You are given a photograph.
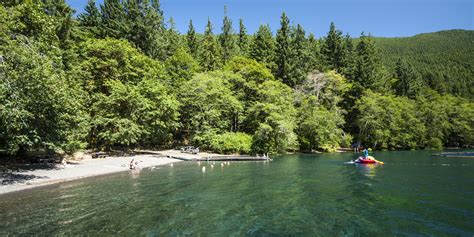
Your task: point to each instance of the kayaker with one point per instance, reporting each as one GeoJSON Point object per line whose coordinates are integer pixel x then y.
{"type": "Point", "coordinates": [366, 153]}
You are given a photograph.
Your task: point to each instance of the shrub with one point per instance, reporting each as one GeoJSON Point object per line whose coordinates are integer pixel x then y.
{"type": "Point", "coordinates": [231, 142]}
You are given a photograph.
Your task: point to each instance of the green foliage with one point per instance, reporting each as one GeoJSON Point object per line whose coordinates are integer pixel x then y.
{"type": "Point", "coordinates": [231, 143]}
{"type": "Point", "coordinates": [409, 82]}
{"type": "Point", "coordinates": [443, 59]}
{"type": "Point", "coordinates": [249, 69]}
{"type": "Point", "coordinates": [367, 71]}
{"type": "Point", "coordinates": [180, 68]}
{"type": "Point", "coordinates": [245, 87]}
{"type": "Point", "coordinates": [91, 18]}
{"type": "Point", "coordinates": [300, 57]}
{"type": "Point", "coordinates": [226, 39]}
{"type": "Point", "coordinates": [128, 102]}
{"type": "Point", "coordinates": [389, 122]}
{"type": "Point", "coordinates": [282, 55]}
{"type": "Point", "coordinates": [316, 60]}
{"type": "Point", "coordinates": [173, 40]}
{"type": "Point", "coordinates": [111, 59]}
{"type": "Point", "coordinates": [192, 40]}
{"type": "Point", "coordinates": [243, 41]}
{"type": "Point", "coordinates": [333, 49]}
{"type": "Point", "coordinates": [209, 107]}
{"type": "Point", "coordinates": [210, 51]}
{"type": "Point", "coordinates": [272, 118]}
{"type": "Point", "coordinates": [119, 77]}
{"type": "Point", "coordinates": [262, 48]}
{"type": "Point", "coordinates": [134, 114]}
{"type": "Point", "coordinates": [39, 107]}
{"type": "Point", "coordinates": [449, 120]}
{"type": "Point", "coordinates": [320, 118]}
{"type": "Point", "coordinates": [328, 88]}
{"type": "Point", "coordinates": [318, 127]}
{"type": "Point", "coordinates": [28, 19]}
{"type": "Point", "coordinates": [348, 59]}
{"type": "Point", "coordinates": [113, 19]}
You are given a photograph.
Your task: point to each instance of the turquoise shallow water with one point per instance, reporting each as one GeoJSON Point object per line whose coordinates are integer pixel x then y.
{"type": "Point", "coordinates": [413, 194]}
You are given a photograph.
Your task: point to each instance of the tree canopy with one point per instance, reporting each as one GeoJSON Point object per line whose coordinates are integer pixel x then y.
{"type": "Point", "coordinates": [118, 76]}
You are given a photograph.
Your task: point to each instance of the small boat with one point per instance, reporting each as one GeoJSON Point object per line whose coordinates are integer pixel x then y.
{"type": "Point", "coordinates": [361, 160]}
{"type": "Point", "coordinates": [369, 160]}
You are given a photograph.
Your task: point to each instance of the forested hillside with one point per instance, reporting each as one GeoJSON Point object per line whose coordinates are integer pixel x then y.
{"type": "Point", "coordinates": [445, 59]}
{"type": "Point", "coordinates": [120, 76]}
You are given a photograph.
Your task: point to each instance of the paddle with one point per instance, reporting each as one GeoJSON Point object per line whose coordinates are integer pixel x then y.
{"type": "Point", "coordinates": [380, 162]}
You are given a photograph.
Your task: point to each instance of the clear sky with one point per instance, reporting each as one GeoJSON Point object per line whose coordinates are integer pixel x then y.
{"type": "Point", "coordinates": [387, 18]}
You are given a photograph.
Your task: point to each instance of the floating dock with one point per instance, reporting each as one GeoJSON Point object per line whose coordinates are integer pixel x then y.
{"type": "Point", "coordinates": [456, 154]}
{"type": "Point", "coordinates": [175, 154]}
{"type": "Point", "coordinates": [221, 158]}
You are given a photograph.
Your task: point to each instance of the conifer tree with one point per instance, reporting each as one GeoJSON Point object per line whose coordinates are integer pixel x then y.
{"type": "Point", "coordinates": [315, 61]}
{"type": "Point", "coordinates": [243, 41]}
{"type": "Point", "coordinates": [113, 19]}
{"type": "Point", "coordinates": [367, 67]}
{"type": "Point", "coordinates": [91, 17]}
{"type": "Point", "coordinates": [56, 8]}
{"type": "Point", "coordinates": [299, 57]}
{"type": "Point", "coordinates": [409, 82]}
{"type": "Point", "coordinates": [283, 51]}
{"type": "Point", "coordinates": [226, 38]}
{"type": "Point", "coordinates": [210, 52]}
{"type": "Point", "coordinates": [173, 40]}
{"type": "Point", "coordinates": [191, 39]}
{"type": "Point", "coordinates": [262, 48]}
{"type": "Point", "coordinates": [348, 57]}
{"type": "Point", "coordinates": [154, 30]}
{"type": "Point", "coordinates": [134, 22]}
{"type": "Point", "coordinates": [333, 48]}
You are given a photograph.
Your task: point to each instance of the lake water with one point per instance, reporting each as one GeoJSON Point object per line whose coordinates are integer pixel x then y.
{"type": "Point", "coordinates": [412, 194]}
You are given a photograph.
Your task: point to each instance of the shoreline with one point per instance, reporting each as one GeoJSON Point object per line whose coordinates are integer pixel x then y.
{"type": "Point", "coordinates": [30, 179]}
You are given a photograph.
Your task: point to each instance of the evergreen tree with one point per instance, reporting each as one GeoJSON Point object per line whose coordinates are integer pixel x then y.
{"type": "Point", "coordinates": [56, 8]}
{"type": "Point", "coordinates": [62, 15]}
{"type": "Point", "coordinates": [333, 48]}
{"type": "Point", "coordinates": [262, 48]}
{"type": "Point", "coordinates": [316, 61]}
{"type": "Point", "coordinates": [134, 22]}
{"type": "Point", "coordinates": [227, 39]}
{"type": "Point", "coordinates": [173, 40]}
{"type": "Point", "coordinates": [409, 82]}
{"type": "Point", "coordinates": [192, 40]}
{"type": "Point", "coordinates": [348, 57]}
{"type": "Point", "coordinates": [299, 57]}
{"type": "Point", "coordinates": [210, 53]}
{"type": "Point", "coordinates": [243, 42]}
{"type": "Point", "coordinates": [90, 19]}
{"type": "Point", "coordinates": [153, 30]}
{"type": "Point", "coordinates": [367, 67]}
{"type": "Point", "coordinates": [283, 51]}
{"type": "Point", "coordinates": [113, 19]}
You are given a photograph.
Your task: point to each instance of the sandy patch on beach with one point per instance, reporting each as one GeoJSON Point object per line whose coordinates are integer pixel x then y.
{"type": "Point", "coordinates": [25, 179]}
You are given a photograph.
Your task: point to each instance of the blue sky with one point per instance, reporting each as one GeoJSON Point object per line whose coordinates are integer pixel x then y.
{"type": "Point", "coordinates": [388, 18]}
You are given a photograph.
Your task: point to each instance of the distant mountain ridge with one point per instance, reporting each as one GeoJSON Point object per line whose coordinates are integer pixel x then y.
{"type": "Point", "coordinates": [445, 59]}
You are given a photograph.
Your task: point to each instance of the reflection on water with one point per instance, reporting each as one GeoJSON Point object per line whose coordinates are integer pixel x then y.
{"type": "Point", "coordinates": [314, 195]}
{"type": "Point", "coordinates": [369, 170]}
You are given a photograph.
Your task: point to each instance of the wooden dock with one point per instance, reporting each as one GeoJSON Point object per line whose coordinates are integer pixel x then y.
{"type": "Point", "coordinates": [175, 154]}
{"type": "Point", "coordinates": [221, 158]}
